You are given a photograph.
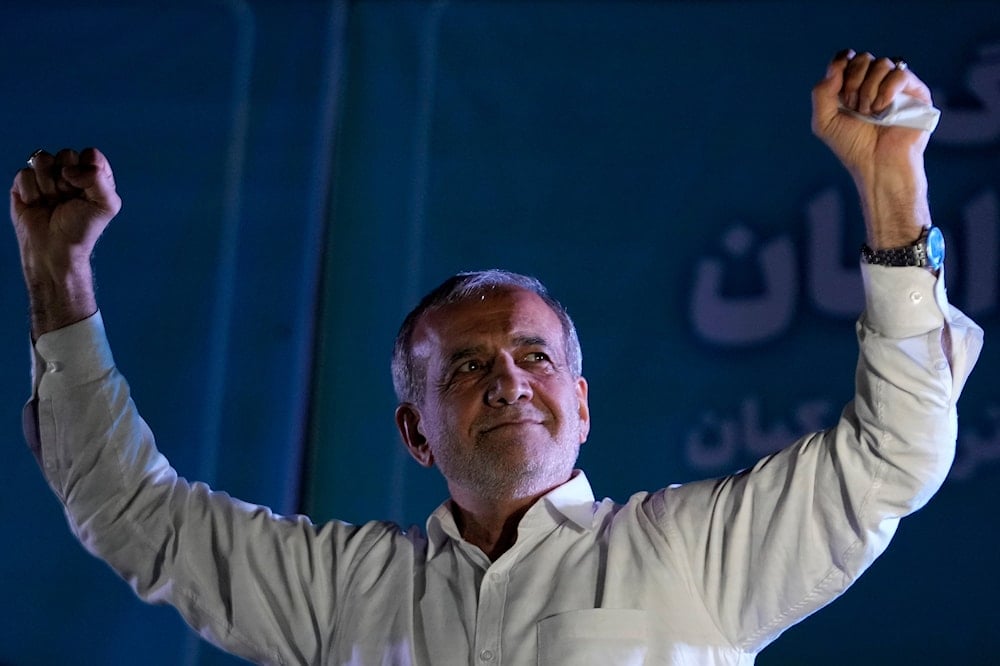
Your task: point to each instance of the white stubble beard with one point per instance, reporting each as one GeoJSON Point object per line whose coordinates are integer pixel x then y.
{"type": "Point", "coordinates": [489, 472]}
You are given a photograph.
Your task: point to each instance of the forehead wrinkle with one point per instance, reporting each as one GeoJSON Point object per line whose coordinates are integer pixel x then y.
{"type": "Point", "coordinates": [502, 324]}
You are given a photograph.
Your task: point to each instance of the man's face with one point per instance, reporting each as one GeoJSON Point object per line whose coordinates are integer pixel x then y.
{"type": "Point", "coordinates": [502, 415]}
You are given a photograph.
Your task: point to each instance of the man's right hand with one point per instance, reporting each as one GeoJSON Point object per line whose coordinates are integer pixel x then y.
{"type": "Point", "coordinates": [59, 206]}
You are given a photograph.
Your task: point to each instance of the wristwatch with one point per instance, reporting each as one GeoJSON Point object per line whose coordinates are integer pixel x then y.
{"type": "Point", "coordinates": [927, 252]}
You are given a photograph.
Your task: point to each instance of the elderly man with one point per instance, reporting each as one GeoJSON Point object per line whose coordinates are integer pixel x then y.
{"type": "Point", "coordinates": [521, 565]}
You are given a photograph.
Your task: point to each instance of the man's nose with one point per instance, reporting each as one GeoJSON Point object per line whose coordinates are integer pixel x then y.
{"type": "Point", "coordinates": [509, 383]}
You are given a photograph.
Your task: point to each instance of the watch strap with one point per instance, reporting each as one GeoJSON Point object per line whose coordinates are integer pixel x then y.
{"type": "Point", "coordinates": [914, 254]}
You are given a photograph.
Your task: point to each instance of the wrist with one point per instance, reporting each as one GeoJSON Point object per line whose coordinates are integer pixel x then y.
{"type": "Point", "coordinates": [59, 298]}
{"type": "Point", "coordinates": [894, 204]}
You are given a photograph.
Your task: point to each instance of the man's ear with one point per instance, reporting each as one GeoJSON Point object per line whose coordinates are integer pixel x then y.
{"type": "Point", "coordinates": [583, 407]}
{"type": "Point", "coordinates": [407, 420]}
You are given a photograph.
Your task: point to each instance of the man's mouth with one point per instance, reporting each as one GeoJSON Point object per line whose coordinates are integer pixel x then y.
{"type": "Point", "coordinates": [510, 423]}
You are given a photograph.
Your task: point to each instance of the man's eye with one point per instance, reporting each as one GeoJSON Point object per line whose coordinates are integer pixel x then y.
{"type": "Point", "coordinates": [536, 357]}
{"type": "Point", "coordinates": [469, 366]}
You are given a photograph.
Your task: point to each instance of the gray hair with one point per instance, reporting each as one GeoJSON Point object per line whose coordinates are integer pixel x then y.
{"type": "Point", "coordinates": [409, 376]}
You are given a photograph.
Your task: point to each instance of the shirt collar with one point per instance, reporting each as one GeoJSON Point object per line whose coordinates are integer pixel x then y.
{"type": "Point", "coordinates": [573, 501]}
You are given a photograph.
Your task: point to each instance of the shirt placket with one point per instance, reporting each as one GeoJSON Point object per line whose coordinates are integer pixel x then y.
{"type": "Point", "coordinates": [489, 615]}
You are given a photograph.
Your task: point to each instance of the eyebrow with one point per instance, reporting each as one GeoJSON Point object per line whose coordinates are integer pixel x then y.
{"type": "Point", "coordinates": [464, 353]}
{"type": "Point", "coordinates": [531, 341]}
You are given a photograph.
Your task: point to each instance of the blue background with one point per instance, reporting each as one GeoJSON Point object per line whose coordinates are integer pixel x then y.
{"type": "Point", "coordinates": [296, 174]}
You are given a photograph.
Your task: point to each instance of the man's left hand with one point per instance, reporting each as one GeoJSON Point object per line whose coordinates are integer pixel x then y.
{"type": "Point", "coordinates": [886, 162]}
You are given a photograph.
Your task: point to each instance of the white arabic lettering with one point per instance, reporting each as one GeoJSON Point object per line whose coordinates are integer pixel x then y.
{"type": "Point", "coordinates": [715, 443]}
{"type": "Point", "coordinates": [834, 288]}
{"type": "Point", "coordinates": [746, 319]}
{"type": "Point", "coordinates": [718, 443]}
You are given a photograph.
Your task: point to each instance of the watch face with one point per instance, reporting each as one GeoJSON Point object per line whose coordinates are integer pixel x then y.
{"type": "Point", "coordinates": [935, 248]}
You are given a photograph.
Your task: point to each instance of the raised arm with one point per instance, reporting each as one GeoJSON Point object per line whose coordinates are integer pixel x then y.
{"type": "Point", "coordinates": [262, 586]}
{"type": "Point", "coordinates": [59, 205]}
{"type": "Point", "coordinates": [770, 545]}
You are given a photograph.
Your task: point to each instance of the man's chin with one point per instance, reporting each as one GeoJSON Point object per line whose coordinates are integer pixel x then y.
{"type": "Point", "coordinates": [503, 479]}
{"type": "Point", "coordinates": [535, 477]}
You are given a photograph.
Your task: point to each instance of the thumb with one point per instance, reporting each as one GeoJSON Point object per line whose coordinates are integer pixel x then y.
{"type": "Point", "coordinates": [826, 93]}
{"type": "Point", "coordinates": [23, 193]}
{"type": "Point", "coordinates": [17, 205]}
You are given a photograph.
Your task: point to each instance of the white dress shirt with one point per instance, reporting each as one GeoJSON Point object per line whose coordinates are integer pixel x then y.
{"type": "Point", "coordinates": [703, 573]}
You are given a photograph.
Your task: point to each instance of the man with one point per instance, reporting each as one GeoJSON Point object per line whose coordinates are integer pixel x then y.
{"type": "Point", "coordinates": [521, 566]}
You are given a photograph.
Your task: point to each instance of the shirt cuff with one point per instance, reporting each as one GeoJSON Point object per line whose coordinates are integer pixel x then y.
{"type": "Point", "coordinates": [71, 356]}
{"type": "Point", "coordinates": [902, 302]}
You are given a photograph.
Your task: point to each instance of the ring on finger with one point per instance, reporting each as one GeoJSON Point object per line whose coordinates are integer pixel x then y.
{"type": "Point", "coordinates": [900, 64]}
{"type": "Point", "coordinates": [31, 158]}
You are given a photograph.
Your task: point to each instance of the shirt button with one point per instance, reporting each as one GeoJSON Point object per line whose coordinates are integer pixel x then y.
{"type": "Point", "coordinates": [916, 296]}
{"type": "Point", "coordinates": [494, 577]}
{"type": "Point", "coordinates": [53, 366]}
{"type": "Point", "coordinates": [486, 655]}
